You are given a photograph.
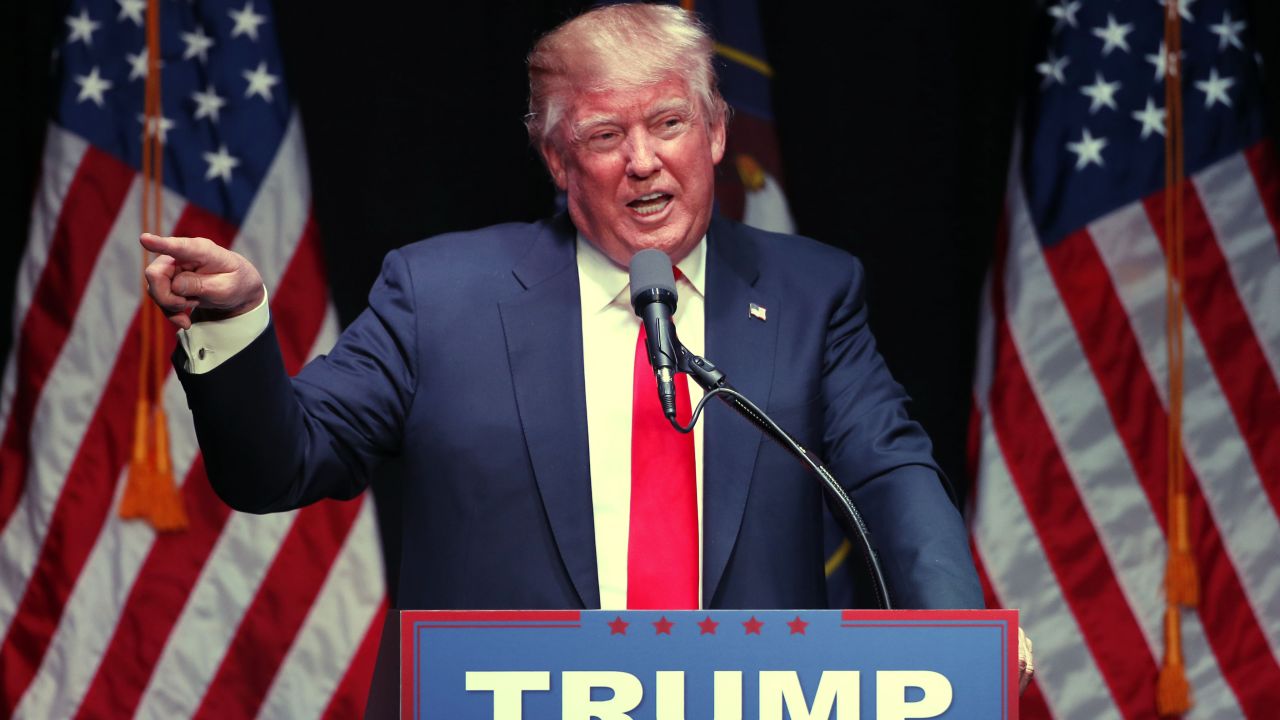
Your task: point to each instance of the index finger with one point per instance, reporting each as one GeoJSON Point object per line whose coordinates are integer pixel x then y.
{"type": "Point", "coordinates": [182, 249]}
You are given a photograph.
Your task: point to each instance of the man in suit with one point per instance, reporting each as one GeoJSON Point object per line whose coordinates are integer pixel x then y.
{"type": "Point", "coordinates": [492, 375]}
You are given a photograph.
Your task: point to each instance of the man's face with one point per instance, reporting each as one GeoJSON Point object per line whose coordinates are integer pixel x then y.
{"type": "Point", "coordinates": [639, 168]}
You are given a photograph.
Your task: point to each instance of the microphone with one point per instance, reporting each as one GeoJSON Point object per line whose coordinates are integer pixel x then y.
{"type": "Point", "coordinates": [653, 296]}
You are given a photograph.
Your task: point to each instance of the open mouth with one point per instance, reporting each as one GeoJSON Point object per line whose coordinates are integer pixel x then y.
{"type": "Point", "coordinates": [650, 204]}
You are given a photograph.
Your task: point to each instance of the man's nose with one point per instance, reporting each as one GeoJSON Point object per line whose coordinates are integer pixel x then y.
{"type": "Point", "coordinates": [642, 157]}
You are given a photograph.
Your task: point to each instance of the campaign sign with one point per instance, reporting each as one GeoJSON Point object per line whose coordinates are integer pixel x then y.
{"type": "Point", "coordinates": [709, 665]}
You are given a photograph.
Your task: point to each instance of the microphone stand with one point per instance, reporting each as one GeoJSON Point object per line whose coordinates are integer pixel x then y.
{"type": "Point", "coordinates": [712, 381]}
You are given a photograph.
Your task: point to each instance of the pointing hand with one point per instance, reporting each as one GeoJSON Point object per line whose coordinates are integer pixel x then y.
{"type": "Point", "coordinates": [199, 275]}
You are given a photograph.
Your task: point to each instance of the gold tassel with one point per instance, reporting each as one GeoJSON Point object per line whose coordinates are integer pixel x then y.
{"type": "Point", "coordinates": [150, 492]}
{"type": "Point", "coordinates": [1173, 694]}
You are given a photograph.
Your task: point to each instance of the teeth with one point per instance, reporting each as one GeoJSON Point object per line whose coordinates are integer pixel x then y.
{"type": "Point", "coordinates": [650, 204]}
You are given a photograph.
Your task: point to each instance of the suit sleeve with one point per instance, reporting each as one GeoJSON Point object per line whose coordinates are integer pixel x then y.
{"type": "Point", "coordinates": [885, 460]}
{"type": "Point", "coordinates": [271, 443]}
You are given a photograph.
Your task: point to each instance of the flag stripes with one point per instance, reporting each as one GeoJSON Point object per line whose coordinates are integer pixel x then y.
{"type": "Point", "coordinates": [104, 618]}
{"type": "Point", "coordinates": [92, 202]}
{"type": "Point", "coordinates": [1071, 409]}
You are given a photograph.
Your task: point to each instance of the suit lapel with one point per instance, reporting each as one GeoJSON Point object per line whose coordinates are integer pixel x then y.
{"type": "Point", "coordinates": [543, 331]}
{"type": "Point", "coordinates": [743, 347]}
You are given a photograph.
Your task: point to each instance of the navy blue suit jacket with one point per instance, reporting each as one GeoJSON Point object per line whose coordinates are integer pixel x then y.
{"type": "Point", "coordinates": [463, 381]}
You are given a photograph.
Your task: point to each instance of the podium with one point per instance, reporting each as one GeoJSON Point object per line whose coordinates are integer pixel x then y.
{"type": "Point", "coordinates": [706, 664]}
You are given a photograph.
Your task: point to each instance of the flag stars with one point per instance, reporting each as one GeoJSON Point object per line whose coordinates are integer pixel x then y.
{"type": "Point", "coordinates": [618, 626]}
{"type": "Point", "coordinates": [1114, 35]}
{"type": "Point", "coordinates": [1088, 150]}
{"type": "Point", "coordinates": [260, 82]}
{"type": "Point", "coordinates": [82, 27]}
{"type": "Point", "coordinates": [662, 626]}
{"type": "Point", "coordinates": [1215, 89]}
{"type": "Point", "coordinates": [221, 164]}
{"type": "Point", "coordinates": [1064, 13]}
{"type": "Point", "coordinates": [138, 64]}
{"type": "Point", "coordinates": [246, 22]}
{"type": "Point", "coordinates": [1160, 59]}
{"type": "Point", "coordinates": [92, 87]}
{"type": "Point", "coordinates": [798, 626]}
{"type": "Point", "coordinates": [159, 124]}
{"type": "Point", "coordinates": [1052, 70]}
{"type": "Point", "coordinates": [198, 45]}
{"type": "Point", "coordinates": [208, 103]}
{"type": "Point", "coordinates": [1151, 117]}
{"type": "Point", "coordinates": [1101, 93]}
{"type": "Point", "coordinates": [708, 626]}
{"type": "Point", "coordinates": [132, 10]}
{"type": "Point", "coordinates": [1228, 32]}
{"type": "Point", "coordinates": [1184, 8]}
{"type": "Point", "coordinates": [752, 626]}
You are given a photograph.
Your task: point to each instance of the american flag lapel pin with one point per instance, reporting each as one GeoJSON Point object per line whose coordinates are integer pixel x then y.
{"type": "Point", "coordinates": [758, 312]}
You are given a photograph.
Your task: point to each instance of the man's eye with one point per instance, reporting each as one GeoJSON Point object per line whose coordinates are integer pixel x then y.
{"type": "Point", "coordinates": [605, 139]}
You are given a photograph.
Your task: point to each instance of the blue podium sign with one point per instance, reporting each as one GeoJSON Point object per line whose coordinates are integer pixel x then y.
{"type": "Point", "coordinates": [709, 665]}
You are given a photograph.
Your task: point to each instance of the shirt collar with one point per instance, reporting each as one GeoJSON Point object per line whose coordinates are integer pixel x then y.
{"type": "Point", "coordinates": [604, 282]}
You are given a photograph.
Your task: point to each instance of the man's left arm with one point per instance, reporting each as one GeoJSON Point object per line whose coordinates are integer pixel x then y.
{"type": "Point", "coordinates": [885, 459]}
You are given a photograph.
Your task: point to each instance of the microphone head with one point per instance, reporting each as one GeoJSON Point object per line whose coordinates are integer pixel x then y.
{"type": "Point", "coordinates": [651, 277]}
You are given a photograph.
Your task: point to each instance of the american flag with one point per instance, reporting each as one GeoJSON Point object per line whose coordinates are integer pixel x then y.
{"type": "Point", "coordinates": [237, 615]}
{"type": "Point", "coordinates": [1073, 384]}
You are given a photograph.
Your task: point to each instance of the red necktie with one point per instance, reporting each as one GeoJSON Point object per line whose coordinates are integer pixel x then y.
{"type": "Point", "coordinates": [662, 550]}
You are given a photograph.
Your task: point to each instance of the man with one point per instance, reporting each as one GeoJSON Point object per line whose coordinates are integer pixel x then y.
{"type": "Point", "coordinates": [495, 374]}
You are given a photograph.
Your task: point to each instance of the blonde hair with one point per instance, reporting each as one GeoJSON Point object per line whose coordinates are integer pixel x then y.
{"type": "Point", "coordinates": [612, 46]}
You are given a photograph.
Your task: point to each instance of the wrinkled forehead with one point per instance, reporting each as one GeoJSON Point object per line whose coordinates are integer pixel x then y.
{"type": "Point", "coordinates": [620, 100]}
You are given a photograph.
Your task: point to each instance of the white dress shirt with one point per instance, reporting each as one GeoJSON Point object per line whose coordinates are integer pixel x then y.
{"type": "Point", "coordinates": [609, 331]}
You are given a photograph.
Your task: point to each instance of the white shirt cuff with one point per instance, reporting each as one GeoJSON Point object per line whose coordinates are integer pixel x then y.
{"type": "Point", "coordinates": [210, 343]}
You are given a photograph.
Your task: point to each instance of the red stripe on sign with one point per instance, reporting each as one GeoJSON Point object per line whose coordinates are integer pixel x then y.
{"type": "Point", "coordinates": [83, 506]}
{"type": "Point", "coordinates": [1262, 164]}
{"type": "Point", "coordinates": [278, 610]}
{"type": "Point", "coordinates": [1141, 420]}
{"type": "Point", "coordinates": [89, 210]}
{"type": "Point", "coordinates": [160, 590]}
{"type": "Point", "coordinates": [349, 698]}
{"type": "Point", "coordinates": [1069, 539]}
{"type": "Point", "coordinates": [1227, 336]}
{"type": "Point", "coordinates": [155, 602]}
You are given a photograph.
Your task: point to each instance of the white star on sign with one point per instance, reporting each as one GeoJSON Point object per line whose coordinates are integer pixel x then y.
{"type": "Point", "coordinates": [1228, 32]}
{"type": "Point", "coordinates": [208, 103]}
{"type": "Point", "coordinates": [198, 45]}
{"type": "Point", "coordinates": [82, 27]}
{"type": "Point", "coordinates": [260, 82]}
{"type": "Point", "coordinates": [92, 87]}
{"type": "Point", "coordinates": [1114, 35]}
{"type": "Point", "coordinates": [220, 165]}
{"type": "Point", "coordinates": [1215, 88]}
{"type": "Point", "coordinates": [1161, 60]}
{"type": "Point", "coordinates": [1052, 69]}
{"type": "Point", "coordinates": [164, 125]}
{"type": "Point", "coordinates": [1184, 8]}
{"type": "Point", "coordinates": [1101, 93]}
{"type": "Point", "coordinates": [1064, 13]}
{"type": "Point", "coordinates": [131, 9]}
{"type": "Point", "coordinates": [1151, 117]}
{"type": "Point", "coordinates": [1088, 150]}
{"type": "Point", "coordinates": [247, 22]}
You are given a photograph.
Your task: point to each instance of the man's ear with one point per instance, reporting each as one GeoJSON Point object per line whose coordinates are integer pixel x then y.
{"type": "Point", "coordinates": [717, 131]}
{"type": "Point", "coordinates": [555, 163]}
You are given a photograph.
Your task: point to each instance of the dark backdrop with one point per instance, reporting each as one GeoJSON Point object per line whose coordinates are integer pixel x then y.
{"type": "Point", "coordinates": [894, 126]}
